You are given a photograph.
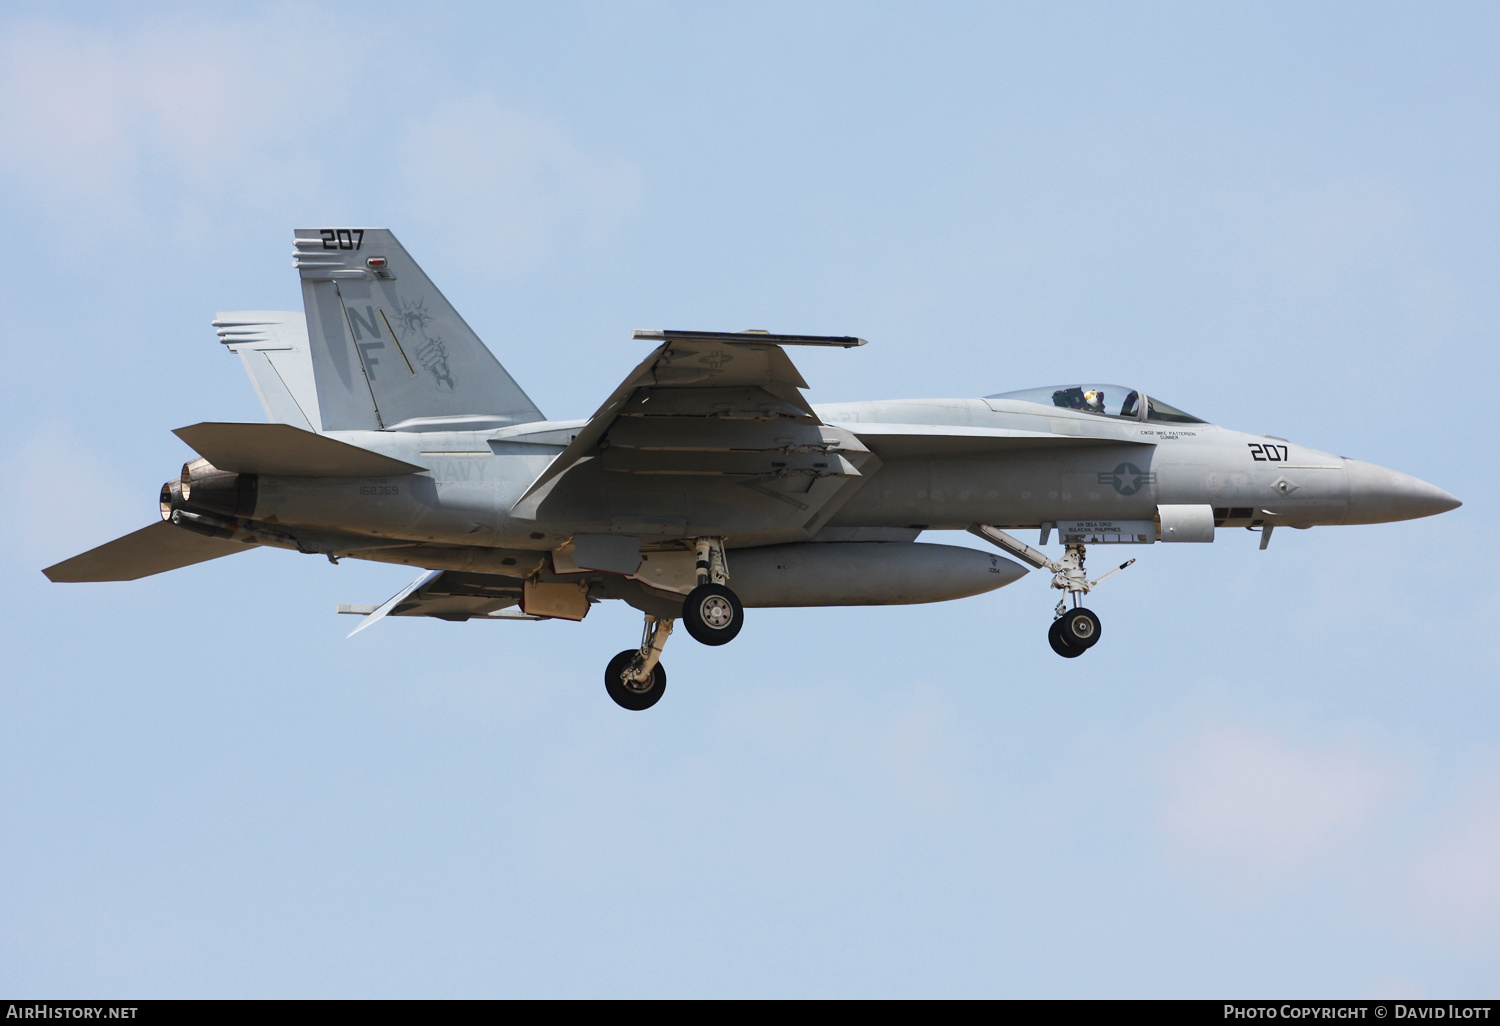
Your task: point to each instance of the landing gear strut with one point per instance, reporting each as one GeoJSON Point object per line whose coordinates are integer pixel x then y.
{"type": "Point", "coordinates": [711, 612]}
{"type": "Point", "coordinates": [635, 678]}
{"type": "Point", "coordinates": [1074, 631]}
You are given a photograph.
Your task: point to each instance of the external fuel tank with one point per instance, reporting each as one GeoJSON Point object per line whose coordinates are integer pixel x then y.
{"type": "Point", "coordinates": [865, 573]}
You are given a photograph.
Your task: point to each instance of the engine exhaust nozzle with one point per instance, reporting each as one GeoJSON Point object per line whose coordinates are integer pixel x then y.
{"type": "Point", "coordinates": [171, 498]}
{"type": "Point", "coordinates": [204, 486]}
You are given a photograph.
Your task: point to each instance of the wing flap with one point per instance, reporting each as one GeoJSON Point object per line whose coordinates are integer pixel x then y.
{"type": "Point", "coordinates": [728, 402]}
{"type": "Point", "coordinates": [281, 449]}
{"type": "Point", "coordinates": [692, 384]}
{"type": "Point", "coordinates": [151, 550]}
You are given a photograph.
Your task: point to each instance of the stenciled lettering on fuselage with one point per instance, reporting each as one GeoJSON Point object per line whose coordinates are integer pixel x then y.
{"type": "Point", "coordinates": [462, 470]}
{"type": "Point", "coordinates": [1127, 478]}
{"type": "Point", "coordinates": [1268, 452]}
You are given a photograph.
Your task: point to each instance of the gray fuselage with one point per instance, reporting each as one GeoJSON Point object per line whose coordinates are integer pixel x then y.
{"type": "Point", "coordinates": [1090, 467]}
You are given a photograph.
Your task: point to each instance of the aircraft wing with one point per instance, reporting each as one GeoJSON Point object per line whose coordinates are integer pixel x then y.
{"type": "Point", "coordinates": [151, 550]}
{"type": "Point", "coordinates": [449, 595]}
{"type": "Point", "coordinates": [711, 410]}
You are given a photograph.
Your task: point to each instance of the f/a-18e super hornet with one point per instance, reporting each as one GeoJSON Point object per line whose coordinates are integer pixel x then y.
{"type": "Point", "coordinates": [705, 484]}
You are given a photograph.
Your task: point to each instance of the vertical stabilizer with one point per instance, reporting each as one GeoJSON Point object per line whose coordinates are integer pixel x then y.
{"type": "Point", "coordinates": [272, 344]}
{"type": "Point", "coordinates": [388, 349]}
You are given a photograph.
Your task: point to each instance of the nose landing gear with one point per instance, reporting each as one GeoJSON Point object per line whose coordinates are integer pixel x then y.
{"type": "Point", "coordinates": [1073, 631]}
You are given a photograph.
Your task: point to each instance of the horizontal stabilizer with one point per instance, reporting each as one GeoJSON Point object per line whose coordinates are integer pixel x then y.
{"type": "Point", "coordinates": [281, 449]}
{"type": "Point", "coordinates": [355, 609]}
{"type": "Point", "coordinates": [449, 595]}
{"type": "Point", "coordinates": [391, 603]}
{"type": "Point", "coordinates": [151, 550]}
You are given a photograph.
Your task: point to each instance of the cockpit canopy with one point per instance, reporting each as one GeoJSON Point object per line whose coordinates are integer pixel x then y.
{"type": "Point", "coordinates": [1105, 400]}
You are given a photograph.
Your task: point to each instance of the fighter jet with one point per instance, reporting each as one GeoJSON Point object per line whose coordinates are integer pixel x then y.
{"type": "Point", "coordinates": [704, 485]}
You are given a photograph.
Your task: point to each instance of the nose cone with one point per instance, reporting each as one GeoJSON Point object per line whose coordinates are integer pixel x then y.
{"type": "Point", "coordinates": [1378, 495]}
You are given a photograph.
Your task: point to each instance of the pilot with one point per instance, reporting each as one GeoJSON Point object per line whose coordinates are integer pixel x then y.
{"type": "Point", "coordinates": [1093, 401]}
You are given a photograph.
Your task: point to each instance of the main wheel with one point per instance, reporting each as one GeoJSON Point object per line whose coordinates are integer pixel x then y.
{"type": "Point", "coordinates": [712, 614]}
{"type": "Point", "coordinates": [1080, 628]}
{"type": "Point", "coordinates": [1059, 643]}
{"type": "Point", "coordinates": [627, 693]}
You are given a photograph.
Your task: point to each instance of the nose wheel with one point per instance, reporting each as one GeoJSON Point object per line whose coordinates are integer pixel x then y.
{"type": "Point", "coordinates": [1073, 631]}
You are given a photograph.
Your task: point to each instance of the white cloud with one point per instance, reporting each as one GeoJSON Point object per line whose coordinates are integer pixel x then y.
{"type": "Point", "coordinates": [920, 757]}
{"type": "Point", "coordinates": [59, 495]}
{"type": "Point", "coordinates": [1257, 808]}
{"type": "Point", "coordinates": [66, 131]}
{"type": "Point", "coordinates": [1317, 237]}
{"type": "Point", "coordinates": [187, 121]}
{"type": "Point", "coordinates": [511, 186]}
{"type": "Point", "coordinates": [177, 123]}
{"type": "Point", "coordinates": [1457, 877]}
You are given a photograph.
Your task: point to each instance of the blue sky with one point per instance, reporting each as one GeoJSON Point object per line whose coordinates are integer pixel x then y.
{"type": "Point", "coordinates": [1276, 775]}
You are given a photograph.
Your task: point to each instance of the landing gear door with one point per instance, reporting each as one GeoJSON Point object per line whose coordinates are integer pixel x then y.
{"type": "Point", "coordinates": [1185, 523]}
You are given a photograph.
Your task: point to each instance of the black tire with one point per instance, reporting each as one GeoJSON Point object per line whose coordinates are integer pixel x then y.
{"type": "Point", "coordinates": [1080, 628]}
{"type": "Point", "coordinates": [627, 697]}
{"type": "Point", "coordinates": [712, 614]}
{"type": "Point", "coordinates": [1059, 643]}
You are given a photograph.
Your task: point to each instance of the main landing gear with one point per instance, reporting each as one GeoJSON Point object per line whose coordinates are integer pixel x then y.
{"type": "Point", "coordinates": [636, 679]}
{"type": "Point", "coordinates": [1074, 631]}
{"type": "Point", "coordinates": [712, 614]}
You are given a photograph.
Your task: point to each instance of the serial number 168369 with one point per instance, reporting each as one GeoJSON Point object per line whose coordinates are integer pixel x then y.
{"type": "Point", "coordinates": [380, 489]}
